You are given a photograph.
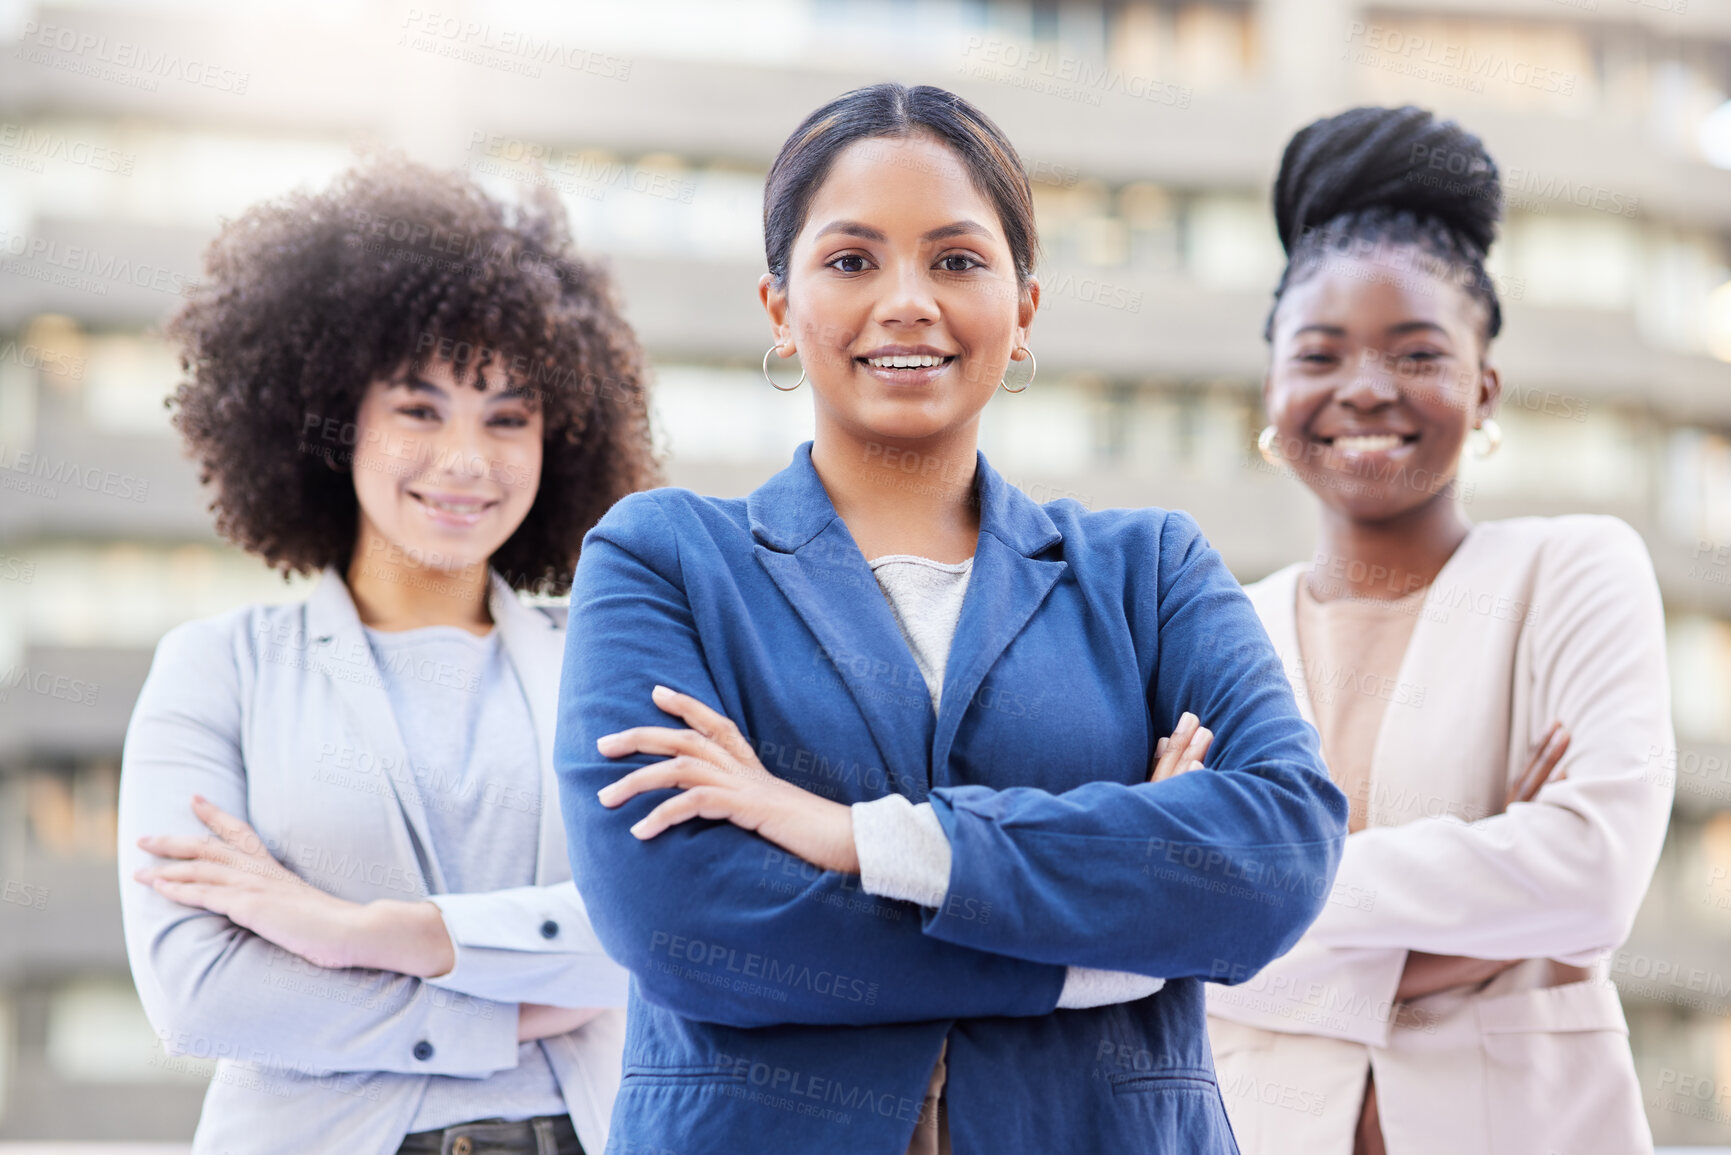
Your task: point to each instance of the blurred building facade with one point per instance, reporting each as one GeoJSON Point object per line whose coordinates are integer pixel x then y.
{"type": "Point", "coordinates": [1151, 129]}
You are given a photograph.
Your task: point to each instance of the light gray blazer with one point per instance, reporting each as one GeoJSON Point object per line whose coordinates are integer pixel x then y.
{"type": "Point", "coordinates": [278, 714]}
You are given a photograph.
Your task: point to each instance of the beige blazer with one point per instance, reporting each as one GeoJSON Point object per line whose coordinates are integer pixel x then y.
{"type": "Point", "coordinates": [1531, 620]}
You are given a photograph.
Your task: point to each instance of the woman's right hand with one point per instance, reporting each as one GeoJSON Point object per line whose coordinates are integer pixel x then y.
{"type": "Point", "coordinates": [1183, 751]}
{"type": "Point", "coordinates": [539, 1021]}
{"type": "Point", "coordinates": [1426, 974]}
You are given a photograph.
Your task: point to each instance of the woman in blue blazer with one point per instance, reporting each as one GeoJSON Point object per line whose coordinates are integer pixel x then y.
{"type": "Point", "coordinates": [930, 898]}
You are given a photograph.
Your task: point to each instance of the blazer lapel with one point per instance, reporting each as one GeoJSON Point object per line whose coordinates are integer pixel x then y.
{"type": "Point", "coordinates": [1007, 585]}
{"type": "Point", "coordinates": [1276, 600]}
{"type": "Point", "coordinates": [812, 558]}
{"type": "Point", "coordinates": [338, 646]}
{"type": "Point", "coordinates": [534, 643]}
{"type": "Point", "coordinates": [1450, 646]}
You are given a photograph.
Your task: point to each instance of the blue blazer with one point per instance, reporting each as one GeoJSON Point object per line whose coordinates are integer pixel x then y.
{"type": "Point", "coordinates": [778, 1008]}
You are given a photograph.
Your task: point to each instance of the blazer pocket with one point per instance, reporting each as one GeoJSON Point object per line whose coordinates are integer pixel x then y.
{"type": "Point", "coordinates": [638, 1075]}
{"type": "Point", "coordinates": [1558, 1073]}
{"type": "Point", "coordinates": [1172, 1079]}
{"type": "Point", "coordinates": [1175, 1110]}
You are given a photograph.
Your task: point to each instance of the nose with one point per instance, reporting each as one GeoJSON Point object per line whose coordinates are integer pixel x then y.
{"type": "Point", "coordinates": [459, 449]}
{"type": "Point", "coordinates": [1373, 385]}
{"type": "Point", "coordinates": [907, 299]}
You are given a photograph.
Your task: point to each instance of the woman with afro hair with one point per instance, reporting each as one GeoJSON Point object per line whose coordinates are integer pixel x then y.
{"type": "Point", "coordinates": [1492, 699]}
{"type": "Point", "coordinates": [342, 867]}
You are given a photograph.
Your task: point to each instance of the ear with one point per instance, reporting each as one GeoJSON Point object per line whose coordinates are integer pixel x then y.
{"type": "Point", "coordinates": [1490, 391]}
{"type": "Point", "coordinates": [1027, 304]}
{"type": "Point", "coordinates": [775, 304]}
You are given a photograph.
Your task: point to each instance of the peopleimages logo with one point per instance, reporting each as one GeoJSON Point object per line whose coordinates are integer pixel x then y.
{"type": "Point", "coordinates": [39, 145]}
{"type": "Point", "coordinates": [88, 53]}
{"type": "Point", "coordinates": [84, 268]}
{"type": "Point", "coordinates": [43, 475]}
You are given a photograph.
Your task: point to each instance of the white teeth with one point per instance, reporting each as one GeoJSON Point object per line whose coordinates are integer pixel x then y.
{"type": "Point", "coordinates": [1368, 443]}
{"type": "Point", "coordinates": [456, 506]}
{"type": "Point", "coordinates": [905, 361]}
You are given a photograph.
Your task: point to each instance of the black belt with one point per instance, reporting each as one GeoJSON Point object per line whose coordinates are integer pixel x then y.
{"type": "Point", "coordinates": [542, 1135]}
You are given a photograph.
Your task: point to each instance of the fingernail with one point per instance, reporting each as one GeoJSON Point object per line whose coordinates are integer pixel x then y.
{"type": "Point", "coordinates": [637, 830]}
{"type": "Point", "coordinates": [661, 690]}
{"type": "Point", "coordinates": [605, 794]}
{"type": "Point", "coordinates": [607, 742]}
{"type": "Point", "coordinates": [1187, 718]}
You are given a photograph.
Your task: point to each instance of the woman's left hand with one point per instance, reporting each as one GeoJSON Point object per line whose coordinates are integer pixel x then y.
{"type": "Point", "coordinates": [720, 777]}
{"type": "Point", "coordinates": [232, 874]}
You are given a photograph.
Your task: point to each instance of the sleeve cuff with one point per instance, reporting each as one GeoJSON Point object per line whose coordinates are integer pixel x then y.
{"type": "Point", "coordinates": [464, 1036]}
{"type": "Point", "coordinates": [530, 944]}
{"type": "Point", "coordinates": [903, 851]}
{"type": "Point", "coordinates": [1085, 987]}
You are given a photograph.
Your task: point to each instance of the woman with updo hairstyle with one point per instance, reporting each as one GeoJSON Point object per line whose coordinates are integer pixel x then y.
{"type": "Point", "coordinates": [861, 772]}
{"type": "Point", "coordinates": [1491, 697]}
{"type": "Point", "coordinates": [341, 866]}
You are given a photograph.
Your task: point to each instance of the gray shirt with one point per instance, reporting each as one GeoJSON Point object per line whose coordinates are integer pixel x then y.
{"type": "Point", "coordinates": [466, 725]}
{"type": "Point", "coordinates": [926, 598]}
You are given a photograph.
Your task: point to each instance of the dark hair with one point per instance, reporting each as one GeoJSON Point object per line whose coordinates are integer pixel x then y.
{"type": "Point", "coordinates": [310, 298]}
{"type": "Point", "coordinates": [1394, 176]}
{"type": "Point", "coordinates": [895, 110]}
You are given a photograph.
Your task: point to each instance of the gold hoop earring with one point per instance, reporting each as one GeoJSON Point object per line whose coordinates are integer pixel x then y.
{"type": "Point", "coordinates": [1493, 439]}
{"type": "Point", "coordinates": [1033, 368]}
{"type": "Point", "coordinates": [771, 380]}
{"type": "Point", "coordinates": [1265, 445]}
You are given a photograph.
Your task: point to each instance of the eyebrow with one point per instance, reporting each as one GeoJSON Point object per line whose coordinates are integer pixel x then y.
{"type": "Point", "coordinates": [960, 228]}
{"type": "Point", "coordinates": [418, 385]}
{"type": "Point", "coordinates": [867, 233]}
{"type": "Point", "coordinates": [422, 385]}
{"type": "Point", "coordinates": [1399, 330]}
{"type": "Point", "coordinates": [1406, 327]}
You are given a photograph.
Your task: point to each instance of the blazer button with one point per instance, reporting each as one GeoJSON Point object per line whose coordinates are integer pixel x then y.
{"type": "Point", "coordinates": [463, 1145]}
{"type": "Point", "coordinates": [549, 929]}
{"type": "Point", "coordinates": [423, 1050]}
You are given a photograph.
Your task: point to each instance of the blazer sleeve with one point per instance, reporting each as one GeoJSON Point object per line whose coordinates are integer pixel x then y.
{"type": "Point", "coordinates": [213, 989]}
{"type": "Point", "coordinates": [529, 944]}
{"type": "Point", "coordinates": [1336, 992]}
{"type": "Point", "coordinates": [1206, 875]}
{"type": "Point", "coordinates": [1562, 876]}
{"type": "Point", "coordinates": [686, 912]}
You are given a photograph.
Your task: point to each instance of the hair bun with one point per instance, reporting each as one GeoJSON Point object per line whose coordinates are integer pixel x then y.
{"type": "Point", "coordinates": [1397, 159]}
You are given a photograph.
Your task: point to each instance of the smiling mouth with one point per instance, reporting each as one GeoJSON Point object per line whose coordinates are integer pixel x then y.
{"type": "Point", "coordinates": [906, 361]}
{"type": "Point", "coordinates": [470, 508]}
{"type": "Point", "coordinates": [1369, 442]}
